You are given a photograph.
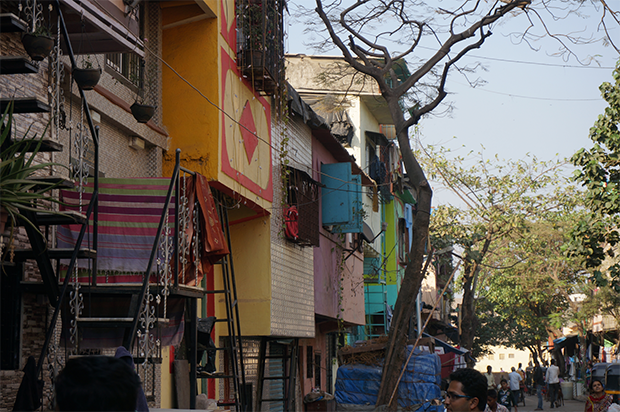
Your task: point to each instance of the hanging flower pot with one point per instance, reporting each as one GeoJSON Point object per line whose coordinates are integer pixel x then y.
{"type": "Point", "coordinates": [86, 79]}
{"type": "Point", "coordinates": [142, 112]}
{"type": "Point", "coordinates": [37, 46]}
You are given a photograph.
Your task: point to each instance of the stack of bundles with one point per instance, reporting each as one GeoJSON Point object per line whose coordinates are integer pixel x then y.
{"type": "Point", "coordinates": [358, 385]}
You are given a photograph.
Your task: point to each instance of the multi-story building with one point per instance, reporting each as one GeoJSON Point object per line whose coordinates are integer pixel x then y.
{"type": "Point", "coordinates": [222, 238]}
{"type": "Point", "coordinates": [357, 114]}
{"type": "Point", "coordinates": [85, 132]}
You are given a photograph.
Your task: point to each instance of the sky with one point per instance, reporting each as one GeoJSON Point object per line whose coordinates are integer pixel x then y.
{"type": "Point", "coordinates": [533, 102]}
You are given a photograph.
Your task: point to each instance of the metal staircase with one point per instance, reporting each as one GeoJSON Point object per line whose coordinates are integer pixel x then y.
{"type": "Point", "coordinates": [76, 302]}
{"type": "Point", "coordinates": [233, 349]}
{"type": "Point", "coordinates": [277, 372]}
{"type": "Point", "coordinates": [137, 308]}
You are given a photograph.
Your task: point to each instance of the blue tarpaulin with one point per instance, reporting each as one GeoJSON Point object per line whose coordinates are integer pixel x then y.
{"type": "Point", "coordinates": [359, 384]}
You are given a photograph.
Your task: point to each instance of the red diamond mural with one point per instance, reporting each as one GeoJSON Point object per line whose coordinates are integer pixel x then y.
{"type": "Point", "coordinates": [248, 133]}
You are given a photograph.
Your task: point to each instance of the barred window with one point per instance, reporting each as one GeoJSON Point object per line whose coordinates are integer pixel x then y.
{"type": "Point", "coordinates": [303, 195]}
{"type": "Point", "coordinates": [128, 65]}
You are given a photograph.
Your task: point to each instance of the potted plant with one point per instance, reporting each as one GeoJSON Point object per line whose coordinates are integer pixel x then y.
{"type": "Point", "coordinates": [141, 110]}
{"type": "Point", "coordinates": [19, 188]}
{"type": "Point", "coordinates": [86, 76]}
{"type": "Point", "coordinates": [38, 43]}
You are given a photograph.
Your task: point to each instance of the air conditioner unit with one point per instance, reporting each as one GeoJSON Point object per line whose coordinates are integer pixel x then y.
{"type": "Point", "coordinates": [136, 142]}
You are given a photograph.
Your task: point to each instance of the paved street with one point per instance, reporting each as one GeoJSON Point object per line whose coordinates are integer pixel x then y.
{"type": "Point", "coordinates": [569, 406]}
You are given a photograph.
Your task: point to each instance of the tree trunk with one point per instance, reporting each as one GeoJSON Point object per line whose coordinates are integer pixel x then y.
{"type": "Point", "coordinates": [405, 303]}
{"type": "Point", "coordinates": [469, 320]}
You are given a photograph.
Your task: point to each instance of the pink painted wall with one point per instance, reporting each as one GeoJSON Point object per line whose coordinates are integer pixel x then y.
{"type": "Point", "coordinates": [327, 280]}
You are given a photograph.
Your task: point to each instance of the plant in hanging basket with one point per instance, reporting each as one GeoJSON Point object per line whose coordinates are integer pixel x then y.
{"type": "Point", "coordinates": [147, 85]}
{"type": "Point", "coordinates": [38, 44]}
{"type": "Point", "coordinates": [86, 78]}
{"type": "Point", "coordinates": [142, 112]}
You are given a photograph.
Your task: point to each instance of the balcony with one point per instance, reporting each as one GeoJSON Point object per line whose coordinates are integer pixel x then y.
{"type": "Point", "coordinates": [260, 45]}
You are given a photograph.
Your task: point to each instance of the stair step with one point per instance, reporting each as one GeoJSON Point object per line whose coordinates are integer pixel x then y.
{"type": "Point", "coordinates": [47, 145]}
{"type": "Point", "coordinates": [275, 378]}
{"type": "Point", "coordinates": [55, 253]}
{"type": "Point", "coordinates": [112, 322]}
{"type": "Point", "coordinates": [10, 23]}
{"type": "Point", "coordinates": [25, 105]}
{"type": "Point", "coordinates": [206, 375]}
{"type": "Point", "coordinates": [68, 217]}
{"type": "Point", "coordinates": [59, 182]}
{"type": "Point", "coordinates": [17, 65]}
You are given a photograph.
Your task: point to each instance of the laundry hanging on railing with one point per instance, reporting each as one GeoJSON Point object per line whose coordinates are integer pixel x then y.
{"type": "Point", "coordinates": [129, 214]}
{"type": "Point", "coordinates": [212, 246]}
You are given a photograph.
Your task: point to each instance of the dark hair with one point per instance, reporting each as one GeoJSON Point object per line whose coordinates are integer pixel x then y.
{"type": "Point", "coordinates": [503, 380]}
{"type": "Point", "coordinates": [474, 384]}
{"type": "Point", "coordinates": [492, 393]}
{"type": "Point", "coordinates": [97, 383]}
{"type": "Point", "coordinates": [553, 361]}
{"type": "Point", "coordinates": [596, 380]}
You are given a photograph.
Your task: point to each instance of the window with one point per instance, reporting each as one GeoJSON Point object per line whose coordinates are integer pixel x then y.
{"type": "Point", "coordinates": [403, 241]}
{"type": "Point", "coordinates": [491, 357]}
{"type": "Point", "coordinates": [317, 369]}
{"type": "Point", "coordinates": [309, 362]}
{"type": "Point", "coordinates": [511, 356]}
{"type": "Point", "coordinates": [302, 213]}
{"type": "Point", "coordinates": [501, 356]}
{"type": "Point", "coordinates": [127, 66]}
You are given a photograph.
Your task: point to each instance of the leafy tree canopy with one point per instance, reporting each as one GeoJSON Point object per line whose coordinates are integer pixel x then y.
{"type": "Point", "coordinates": [596, 234]}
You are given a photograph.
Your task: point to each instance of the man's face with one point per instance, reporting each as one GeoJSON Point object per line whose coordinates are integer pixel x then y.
{"type": "Point", "coordinates": [457, 401]}
{"type": "Point", "coordinates": [491, 402]}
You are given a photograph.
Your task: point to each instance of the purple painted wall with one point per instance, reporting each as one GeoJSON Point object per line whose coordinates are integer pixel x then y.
{"type": "Point", "coordinates": [329, 274]}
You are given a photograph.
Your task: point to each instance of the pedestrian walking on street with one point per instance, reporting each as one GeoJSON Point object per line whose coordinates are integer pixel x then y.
{"type": "Point", "coordinates": [490, 378]}
{"type": "Point", "coordinates": [598, 401]}
{"type": "Point", "coordinates": [467, 391]}
{"type": "Point", "coordinates": [492, 405]}
{"type": "Point", "coordinates": [553, 381]}
{"type": "Point", "coordinates": [504, 395]}
{"type": "Point", "coordinates": [539, 383]}
{"type": "Point", "coordinates": [515, 385]}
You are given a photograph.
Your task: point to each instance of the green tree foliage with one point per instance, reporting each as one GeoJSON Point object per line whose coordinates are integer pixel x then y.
{"type": "Point", "coordinates": [495, 228]}
{"type": "Point", "coordinates": [596, 235]}
{"type": "Point", "coordinates": [527, 288]}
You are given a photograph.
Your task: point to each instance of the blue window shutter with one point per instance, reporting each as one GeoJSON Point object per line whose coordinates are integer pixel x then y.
{"type": "Point", "coordinates": [336, 203]}
{"type": "Point", "coordinates": [355, 194]}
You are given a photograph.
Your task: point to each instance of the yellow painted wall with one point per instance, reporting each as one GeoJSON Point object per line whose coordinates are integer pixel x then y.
{"type": "Point", "coordinates": [252, 260]}
{"type": "Point", "coordinates": [192, 122]}
{"type": "Point", "coordinates": [166, 380]}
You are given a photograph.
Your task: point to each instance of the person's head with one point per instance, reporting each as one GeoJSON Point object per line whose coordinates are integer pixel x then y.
{"type": "Point", "coordinates": [504, 384]}
{"type": "Point", "coordinates": [553, 361]}
{"type": "Point", "coordinates": [97, 383]}
{"type": "Point", "coordinates": [467, 391]}
{"type": "Point", "coordinates": [512, 369]}
{"type": "Point", "coordinates": [536, 364]}
{"type": "Point", "coordinates": [520, 365]}
{"type": "Point", "coordinates": [492, 398]}
{"type": "Point", "coordinates": [596, 386]}
{"type": "Point", "coordinates": [489, 369]}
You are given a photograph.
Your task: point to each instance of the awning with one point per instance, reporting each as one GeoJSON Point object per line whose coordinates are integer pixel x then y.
{"type": "Point", "coordinates": [559, 343]}
{"type": "Point", "coordinates": [446, 346]}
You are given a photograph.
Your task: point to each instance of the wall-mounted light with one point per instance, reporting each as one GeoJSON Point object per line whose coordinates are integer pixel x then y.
{"type": "Point", "coordinates": [136, 142]}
